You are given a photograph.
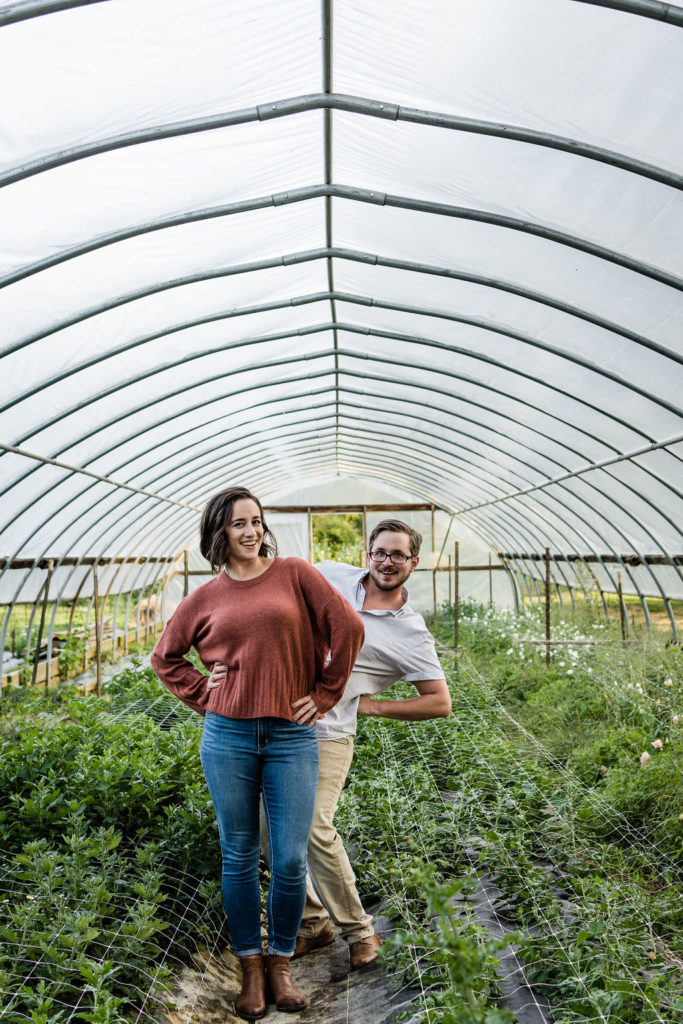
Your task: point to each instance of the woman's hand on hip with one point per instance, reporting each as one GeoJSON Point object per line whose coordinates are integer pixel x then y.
{"type": "Point", "coordinates": [305, 711]}
{"type": "Point", "coordinates": [218, 675]}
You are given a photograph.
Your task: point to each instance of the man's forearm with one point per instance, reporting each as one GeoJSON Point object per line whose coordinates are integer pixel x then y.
{"type": "Point", "coordinates": [413, 709]}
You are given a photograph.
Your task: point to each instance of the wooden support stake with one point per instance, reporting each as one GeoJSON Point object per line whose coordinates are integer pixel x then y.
{"type": "Point", "coordinates": [450, 582]}
{"type": "Point", "coordinates": [137, 615]}
{"type": "Point", "coordinates": [547, 606]}
{"type": "Point", "coordinates": [98, 636]}
{"type": "Point", "coordinates": [433, 527]}
{"type": "Point", "coordinates": [186, 573]}
{"type": "Point", "coordinates": [36, 653]}
{"type": "Point", "coordinates": [490, 582]}
{"type": "Point", "coordinates": [310, 535]}
{"type": "Point", "coordinates": [622, 609]}
{"type": "Point", "coordinates": [364, 553]}
{"type": "Point", "coordinates": [456, 596]}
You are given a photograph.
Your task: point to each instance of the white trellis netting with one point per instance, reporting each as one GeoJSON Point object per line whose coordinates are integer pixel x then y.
{"type": "Point", "coordinates": [434, 248]}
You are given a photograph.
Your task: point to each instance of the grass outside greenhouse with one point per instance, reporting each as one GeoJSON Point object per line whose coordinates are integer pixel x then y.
{"type": "Point", "coordinates": [561, 786]}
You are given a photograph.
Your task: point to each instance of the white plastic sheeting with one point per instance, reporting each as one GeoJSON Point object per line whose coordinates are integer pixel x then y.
{"type": "Point", "coordinates": [434, 246]}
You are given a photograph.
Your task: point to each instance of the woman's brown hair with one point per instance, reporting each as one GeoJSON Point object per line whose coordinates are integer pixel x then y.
{"type": "Point", "coordinates": [213, 540]}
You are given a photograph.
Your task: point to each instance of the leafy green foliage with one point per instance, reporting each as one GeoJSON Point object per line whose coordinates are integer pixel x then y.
{"type": "Point", "coordinates": [103, 812]}
{"type": "Point", "coordinates": [536, 783]}
{"type": "Point", "coordinates": [72, 654]}
{"type": "Point", "coordinates": [338, 537]}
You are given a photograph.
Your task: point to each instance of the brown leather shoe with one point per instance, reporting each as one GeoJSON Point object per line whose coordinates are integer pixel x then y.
{"type": "Point", "coordinates": [287, 998]}
{"type": "Point", "coordinates": [364, 952]}
{"type": "Point", "coordinates": [251, 1002]}
{"type": "Point", "coordinates": [307, 943]}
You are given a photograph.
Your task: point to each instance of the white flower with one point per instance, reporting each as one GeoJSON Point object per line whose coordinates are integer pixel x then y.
{"type": "Point", "coordinates": [644, 757]}
{"type": "Point", "coordinates": [668, 682]}
{"type": "Point", "coordinates": [676, 719]}
{"type": "Point", "coordinates": [570, 671]}
{"type": "Point", "coordinates": [657, 744]}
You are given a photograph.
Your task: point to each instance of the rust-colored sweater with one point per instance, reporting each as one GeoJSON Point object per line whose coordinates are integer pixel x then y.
{"type": "Point", "coordinates": [274, 634]}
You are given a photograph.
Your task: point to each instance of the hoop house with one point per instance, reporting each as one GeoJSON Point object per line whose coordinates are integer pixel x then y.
{"type": "Point", "coordinates": [345, 254]}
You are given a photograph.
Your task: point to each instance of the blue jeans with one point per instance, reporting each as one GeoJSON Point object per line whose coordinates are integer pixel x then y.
{"type": "Point", "coordinates": [244, 759]}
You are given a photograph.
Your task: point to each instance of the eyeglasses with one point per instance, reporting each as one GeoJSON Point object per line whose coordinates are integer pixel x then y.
{"type": "Point", "coordinates": [396, 558]}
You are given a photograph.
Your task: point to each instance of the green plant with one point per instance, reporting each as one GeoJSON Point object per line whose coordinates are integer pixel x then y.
{"type": "Point", "coordinates": [71, 655]}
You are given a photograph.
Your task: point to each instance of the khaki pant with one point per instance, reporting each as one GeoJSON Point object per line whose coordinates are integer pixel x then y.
{"type": "Point", "coordinates": [331, 884]}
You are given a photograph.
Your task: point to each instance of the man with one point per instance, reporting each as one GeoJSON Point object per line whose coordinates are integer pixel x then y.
{"type": "Point", "coordinates": [397, 643]}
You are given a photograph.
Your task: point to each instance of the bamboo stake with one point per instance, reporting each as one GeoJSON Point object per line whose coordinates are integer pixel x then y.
{"type": "Point", "coordinates": [456, 596]}
{"type": "Point", "coordinates": [547, 606]}
{"type": "Point", "coordinates": [186, 573]}
{"type": "Point", "coordinates": [98, 638]}
{"type": "Point", "coordinates": [622, 610]}
{"type": "Point", "coordinates": [36, 653]}
{"type": "Point", "coordinates": [310, 534]}
{"type": "Point", "coordinates": [490, 582]}
{"type": "Point", "coordinates": [364, 553]}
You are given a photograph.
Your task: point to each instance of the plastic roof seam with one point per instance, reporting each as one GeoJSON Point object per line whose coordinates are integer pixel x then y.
{"type": "Point", "coordinates": [326, 36]}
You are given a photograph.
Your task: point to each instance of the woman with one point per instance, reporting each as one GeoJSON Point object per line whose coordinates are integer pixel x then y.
{"type": "Point", "coordinates": [279, 642]}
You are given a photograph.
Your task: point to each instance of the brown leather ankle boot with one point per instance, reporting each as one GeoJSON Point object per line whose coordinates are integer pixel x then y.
{"type": "Point", "coordinates": [287, 998]}
{"type": "Point", "coordinates": [251, 1002]}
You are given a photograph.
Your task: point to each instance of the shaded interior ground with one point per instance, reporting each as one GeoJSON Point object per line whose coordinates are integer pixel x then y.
{"type": "Point", "coordinates": [335, 995]}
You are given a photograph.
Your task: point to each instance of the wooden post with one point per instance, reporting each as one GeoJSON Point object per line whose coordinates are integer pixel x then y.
{"type": "Point", "coordinates": [310, 535]}
{"type": "Point", "coordinates": [127, 613]}
{"type": "Point", "coordinates": [364, 553]}
{"type": "Point", "coordinates": [456, 596]}
{"type": "Point", "coordinates": [186, 573]}
{"type": "Point", "coordinates": [98, 637]}
{"type": "Point", "coordinates": [36, 653]}
{"type": "Point", "coordinates": [436, 614]}
{"type": "Point", "coordinates": [433, 530]}
{"type": "Point", "coordinates": [450, 582]}
{"type": "Point", "coordinates": [547, 606]}
{"type": "Point", "coordinates": [490, 583]}
{"type": "Point", "coordinates": [622, 610]}
{"type": "Point", "coordinates": [137, 615]}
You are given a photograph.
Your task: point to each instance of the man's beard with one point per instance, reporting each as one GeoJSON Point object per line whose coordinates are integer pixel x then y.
{"type": "Point", "coordinates": [392, 582]}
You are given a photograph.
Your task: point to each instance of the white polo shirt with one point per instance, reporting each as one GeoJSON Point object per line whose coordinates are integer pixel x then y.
{"type": "Point", "coordinates": [397, 644]}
